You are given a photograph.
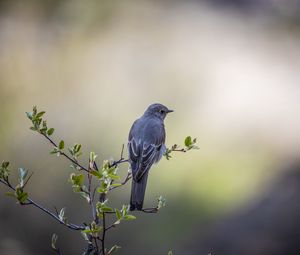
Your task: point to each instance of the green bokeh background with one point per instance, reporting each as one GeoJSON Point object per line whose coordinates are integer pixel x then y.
{"type": "Point", "coordinates": [231, 76]}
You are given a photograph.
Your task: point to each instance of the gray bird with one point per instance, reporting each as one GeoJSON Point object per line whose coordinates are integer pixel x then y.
{"type": "Point", "coordinates": [146, 146]}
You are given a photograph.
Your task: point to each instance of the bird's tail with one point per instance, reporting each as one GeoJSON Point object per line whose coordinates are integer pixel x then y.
{"type": "Point", "coordinates": [138, 193]}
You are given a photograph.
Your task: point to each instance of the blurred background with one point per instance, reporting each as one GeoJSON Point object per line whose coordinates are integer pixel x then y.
{"type": "Point", "coordinates": [229, 69]}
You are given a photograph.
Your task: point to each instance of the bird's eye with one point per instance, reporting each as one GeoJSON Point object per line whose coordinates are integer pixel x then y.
{"type": "Point", "coordinates": [161, 111]}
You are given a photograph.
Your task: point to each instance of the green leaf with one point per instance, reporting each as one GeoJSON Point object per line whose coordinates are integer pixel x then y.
{"type": "Point", "coordinates": [113, 176]}
{"type": "Point", "coordinates": [93, 156]}
{"type": "Point", "coordinates": [22, 197]}
{"type": "Point", "coordinates": [161, 202]}
{"type": "Point", "coordinates": [40, 114]}
{"type": "Point", "coordinates": [29, 115]}
{"type": "Point", "coordinates": [112, 170]}
{"type": "Point", "coordinates": [188, 141]}
{"type": "Point", "coordinates": [129, 217]}
{"type": "Point", "coordinates": [75, 150]}
{"type": "Point", "coordinates": [85, 236]}
{"type": "Point", "coordinates": [61, 215]}
{"type": "Point", "coordinates": [22, 176]}
{"type": "Point", "coordinates": [105, 165]}
{"type": "Point", "coordinates": [77, 179]}
{"type": "Point", "coordinates": [85, 196]}
{"type": "Point", "coordinates": [5, 164]}
{"type": "Point", "coordinates": [92, 230]}
{"type": "Point", "coordinates": [87, 231]}
{"type": "Point", "coordinates": [43, 130]}
{"type": "Point", "coordinates": [105, 209]}
{"type": "Point", "coordinates": [77, 147]}
{"type": "Point", "coordinates": [34, 110]}
{"type": "Point", "coordinates": [96, 173]}
{"type": "Point", "coordinates": [50, 131]}
{"type": "Point", "coordinates": [4, 172]}
{"type": "Point", "coordinates": [54, 151]}
{"type": "Point", "coordinates": [101, 190]}
{"type": "Point", "coordinates": [116, 184]}
{"type": "Point", "coordinates": [61, 145]}
{"type": "Point", "coordinates": [102, 207]}
{"type": "Point", "coordinates": [118, 214]}
{"type": "Point", "coordinates": [113, 249]}
{"type": "Point", "coordinates": [125, 209]}
{"type": "Point", "coordinates": [95, 229]}
{"type": "Point", "coordinates": [53, 241]}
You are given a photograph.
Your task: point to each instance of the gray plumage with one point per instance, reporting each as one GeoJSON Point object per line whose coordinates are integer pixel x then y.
{"type": "Point", "coordinates": [146, 146]}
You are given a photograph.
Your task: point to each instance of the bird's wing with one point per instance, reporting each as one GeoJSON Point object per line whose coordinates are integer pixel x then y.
{"type": "Point", "coordinates": [142, 156]}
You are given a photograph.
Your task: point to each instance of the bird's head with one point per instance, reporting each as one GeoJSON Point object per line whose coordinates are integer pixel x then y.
{"type": "Point", "coordinates": [158, 110]}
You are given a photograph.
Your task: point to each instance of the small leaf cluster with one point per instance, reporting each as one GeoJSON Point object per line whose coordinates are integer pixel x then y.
{"type": "Point", "coordinates": [123, 214]}
{"type": "Point", "coordinates": [62, 215]}
{"type": "Point", "coordinates": [92, 230]}
{"type": "Point", "coordinates": [54, 241]}
{"type": "Point", "coordinates": [106, 175]}
{"type": "Point", "coordinates": [58, 149]}
{"type": "Point", "coordinates": [75, 151]}
{"type": "Point", "coordinates": [102, 207]}
{"type": "Point", "coordinates": [189, 144]}
{"type": "Point", "coordinates": [38, 124]}
{"type": "Point", "coordinates": [161, 202]}
{"type": "Point", "coordinates": [78, 186]}
{"type": "Point", "coordinates": [4, 171]}
{"type": "Point", "coordinates": [19, 192]}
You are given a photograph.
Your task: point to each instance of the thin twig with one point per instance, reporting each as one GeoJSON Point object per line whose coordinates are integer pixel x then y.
{"type": "Point", "coordinates": [111, 226]}
{"type": "Point", "coordinates": [103, 234]}
{"type": "Point", "coordinates": [91, 196]}
{"type": "Point", "coordinates": [31, 202]}
{"type": "Point", "coordinates": [121, 156]}
{"type": "Point", "coordinates": [65, 155]}
{"type": "Point", "coordinates": [128, 177]}
{"type": "Point", "coordinates": [179, 150]}
{"type": "Point", "coordinates": [27, 180]}
{"type": "Point", "coordinates": [96, 245]}
{"type": "Point", "coordinates": [120, 161]}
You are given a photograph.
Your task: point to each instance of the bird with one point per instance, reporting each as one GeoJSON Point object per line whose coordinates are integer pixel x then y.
{"type": "Point", "coordinates": [146, 146]}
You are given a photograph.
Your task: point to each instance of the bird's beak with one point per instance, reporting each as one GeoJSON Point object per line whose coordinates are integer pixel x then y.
{"type": "Point", "coordinates": [170, 111]}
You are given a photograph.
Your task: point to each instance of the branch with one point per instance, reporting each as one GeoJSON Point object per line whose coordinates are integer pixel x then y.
{"type": "Point", "coordinates": [179, 150]}
{"type": "Point", "coordinates": [111, 226]}
{"type": "Point", "coordinates": [64, 154]}
{"type": "Point", "coordinates": [121, 160]}
{"type": "Point", "coordinates": [128, 177]}
{"type": "Point", "coordinates": [31, 202]}
{"type": "Point", "coordinates": [103, 234]}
